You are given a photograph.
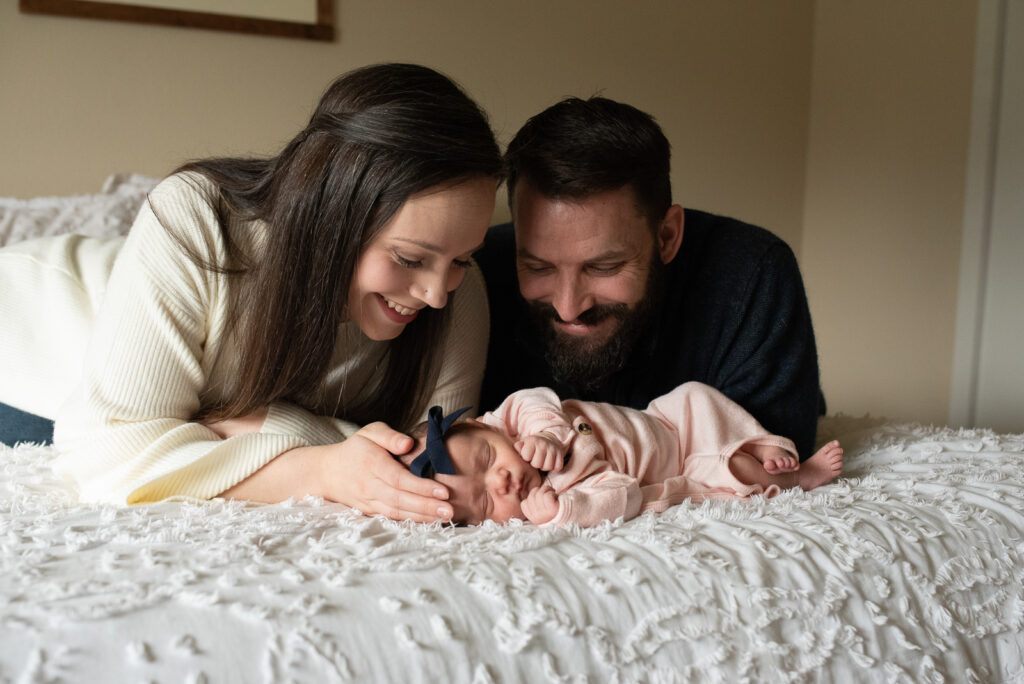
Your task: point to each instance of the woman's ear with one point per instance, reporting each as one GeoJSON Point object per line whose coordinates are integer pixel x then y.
{"type": "Point", "coordinates": [670, 233]}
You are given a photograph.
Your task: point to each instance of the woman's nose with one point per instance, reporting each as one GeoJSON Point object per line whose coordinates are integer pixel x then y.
{"type": "Point", "coordinates": [432, 291]}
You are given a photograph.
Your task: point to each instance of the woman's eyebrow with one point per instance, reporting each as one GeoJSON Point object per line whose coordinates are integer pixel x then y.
{"type": "Point", "coordinates": [431, 247]}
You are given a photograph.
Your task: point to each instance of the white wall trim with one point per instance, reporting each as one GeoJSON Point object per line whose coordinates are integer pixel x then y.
{"type": "Point", "coordinates": [981, 164]}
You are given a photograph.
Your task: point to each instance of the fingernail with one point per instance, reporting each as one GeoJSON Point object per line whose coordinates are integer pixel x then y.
{"type": "Point", "coordinates": [440, 493]}
{"type": "Point", "coordinates": [444, 512]}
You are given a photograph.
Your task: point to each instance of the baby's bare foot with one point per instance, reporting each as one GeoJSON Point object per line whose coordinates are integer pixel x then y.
{"type": "Point", "coordinates": [821, 468]}
{"type": "Point", "coordinates": [775, 460]}
{"type": "Point", "coordinates": [781, 464]}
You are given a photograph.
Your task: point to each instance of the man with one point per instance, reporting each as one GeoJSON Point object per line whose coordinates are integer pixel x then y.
{"type": "Point", "coordinates": [606, 291]}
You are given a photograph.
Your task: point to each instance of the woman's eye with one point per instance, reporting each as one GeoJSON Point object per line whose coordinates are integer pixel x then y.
{"type": "Point", "coordinates": [408, 263]}
{"type": "Point", "coordinates": [462, 263]}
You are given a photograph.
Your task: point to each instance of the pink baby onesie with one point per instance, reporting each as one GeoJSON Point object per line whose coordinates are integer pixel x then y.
{"type": "Point", "coordinates": [623, 461]}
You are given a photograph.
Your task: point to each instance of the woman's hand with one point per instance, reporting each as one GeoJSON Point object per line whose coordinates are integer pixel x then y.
{"type": "Point", "coordinates": [358, 472]}
{"type": "Point", "coordinates": [363, 475]}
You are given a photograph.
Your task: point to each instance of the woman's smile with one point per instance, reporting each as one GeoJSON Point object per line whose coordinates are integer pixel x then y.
{"type": "Point", "coordinates": [396, 312]}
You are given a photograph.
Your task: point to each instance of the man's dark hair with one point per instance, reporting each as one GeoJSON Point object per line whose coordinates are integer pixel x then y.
{"type": "Point", "coordinates": [577, 148]}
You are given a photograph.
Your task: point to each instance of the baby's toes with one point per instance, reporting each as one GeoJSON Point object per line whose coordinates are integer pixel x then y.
{"type": "Point", "coordinates": [837, 459]}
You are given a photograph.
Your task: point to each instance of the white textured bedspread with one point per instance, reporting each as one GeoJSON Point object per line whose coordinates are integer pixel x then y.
{"type": "Point", "coordinates": [909, 569]}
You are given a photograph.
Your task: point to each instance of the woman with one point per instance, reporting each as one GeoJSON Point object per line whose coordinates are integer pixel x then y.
{"type": "Point", "coordinates": [307, 292]}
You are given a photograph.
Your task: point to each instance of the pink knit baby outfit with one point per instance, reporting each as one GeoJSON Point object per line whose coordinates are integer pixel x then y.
{"type": "Point", "coordinates": [623, 462]}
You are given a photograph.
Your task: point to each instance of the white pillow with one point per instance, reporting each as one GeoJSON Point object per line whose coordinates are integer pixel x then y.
{"type": "Point", "coordinates": [106, 214]}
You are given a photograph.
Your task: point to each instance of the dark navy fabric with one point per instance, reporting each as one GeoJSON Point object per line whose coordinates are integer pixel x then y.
{"type": "Point", "coordinates": [435, 458]}
{"type": "Point", "coordinates": [18, 426]}
{"type": "Point", "coordinates": [734, 315]}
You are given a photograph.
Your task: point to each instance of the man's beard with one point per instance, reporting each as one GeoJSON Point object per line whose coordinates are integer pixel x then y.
{"type": "Point", "coordinates": [580, 362]}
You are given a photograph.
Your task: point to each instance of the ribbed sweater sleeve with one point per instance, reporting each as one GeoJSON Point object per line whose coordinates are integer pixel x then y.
{"type": "Point", "coordinates": [124, 435]}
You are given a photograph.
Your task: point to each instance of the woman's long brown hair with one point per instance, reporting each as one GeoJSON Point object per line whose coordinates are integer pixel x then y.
{"type": "Point", "coordinates": [379, 135]}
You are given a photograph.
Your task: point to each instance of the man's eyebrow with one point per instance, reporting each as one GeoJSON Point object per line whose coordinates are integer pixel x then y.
{"type": "Point", "coordinates": [522, 253]}
{"type": "Point", "coordinates": [430, 246]}
{"type": "Point", "coordinates": [610, 255]}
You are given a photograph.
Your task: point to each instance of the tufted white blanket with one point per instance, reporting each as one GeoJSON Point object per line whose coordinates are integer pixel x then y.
{"type": "Point", "coordinates": [105, 214]}
{"type": "Point", "coordinates": [908, 569]}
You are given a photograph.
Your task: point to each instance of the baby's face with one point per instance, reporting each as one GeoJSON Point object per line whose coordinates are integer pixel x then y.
{"type": "Point", "coordinates": [491, 477]}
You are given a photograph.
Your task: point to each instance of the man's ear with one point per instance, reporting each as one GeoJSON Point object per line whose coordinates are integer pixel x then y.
{"type": "Point", "coordinates": [670, 233]}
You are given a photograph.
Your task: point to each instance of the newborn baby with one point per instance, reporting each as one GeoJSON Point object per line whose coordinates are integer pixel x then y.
{"type": "Point", "coordinates": [555, 463]}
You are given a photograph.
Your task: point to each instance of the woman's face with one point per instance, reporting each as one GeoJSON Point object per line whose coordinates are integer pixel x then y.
{"type": "Point", "coordinates": [419, 256]}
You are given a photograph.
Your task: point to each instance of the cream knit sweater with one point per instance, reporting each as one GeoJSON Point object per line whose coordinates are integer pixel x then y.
{"type": "Point", "coordinates": [158, 351]}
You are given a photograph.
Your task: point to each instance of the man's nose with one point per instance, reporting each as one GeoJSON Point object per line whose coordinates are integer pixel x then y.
{"type": "Point", "coordinates": [571, 299]}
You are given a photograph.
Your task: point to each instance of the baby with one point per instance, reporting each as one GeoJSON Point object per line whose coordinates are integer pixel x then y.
{"type": "Point", "coordinates": [556, 463]}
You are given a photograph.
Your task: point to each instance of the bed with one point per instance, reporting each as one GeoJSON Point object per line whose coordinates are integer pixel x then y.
{"type": "Point", "coordinates": [910, 568]}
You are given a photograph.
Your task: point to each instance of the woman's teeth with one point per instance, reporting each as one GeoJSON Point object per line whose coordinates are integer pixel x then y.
{"type": "Point", "coordinates": [399, 308]}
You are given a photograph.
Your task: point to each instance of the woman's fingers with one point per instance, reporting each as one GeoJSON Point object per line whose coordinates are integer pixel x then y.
{"type": "Point", "coordinates": [377, 484]}
{"type": "Point", "coordinates": [407, 506]}
{"type": "Point", "coordinates": [386, 437]}
{"type": "Point", "coordinates": [403, 495]}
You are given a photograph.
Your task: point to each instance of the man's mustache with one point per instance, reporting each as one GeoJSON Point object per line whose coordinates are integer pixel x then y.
{"type": "Point", "coordinates": [591, 316]}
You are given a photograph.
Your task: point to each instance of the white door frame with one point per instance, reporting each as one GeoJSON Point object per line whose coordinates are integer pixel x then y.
{"type": "Point", "coordinates": [977, 225]}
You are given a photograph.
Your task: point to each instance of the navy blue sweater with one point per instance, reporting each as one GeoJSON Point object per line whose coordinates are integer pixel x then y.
{"type": "Point", "coordinates": [734, 316]}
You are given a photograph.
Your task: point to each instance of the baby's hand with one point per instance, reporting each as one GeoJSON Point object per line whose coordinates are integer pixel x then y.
{"type": "Point", "coordinates": [542, 451]}
{"type": "Point", "coordinates": [540, 505]}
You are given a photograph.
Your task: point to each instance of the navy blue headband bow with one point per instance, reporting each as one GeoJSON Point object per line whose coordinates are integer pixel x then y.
{"type": "Point", "coordinates": [435, 458]}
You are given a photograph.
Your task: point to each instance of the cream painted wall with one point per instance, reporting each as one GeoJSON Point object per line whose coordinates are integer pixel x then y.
{"type": "Point", "coordinates": [728, 82]}
{"type": "Point", "coordinates": [864, 179]}
{"type": "Point", "coordinates": [883, 216]}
